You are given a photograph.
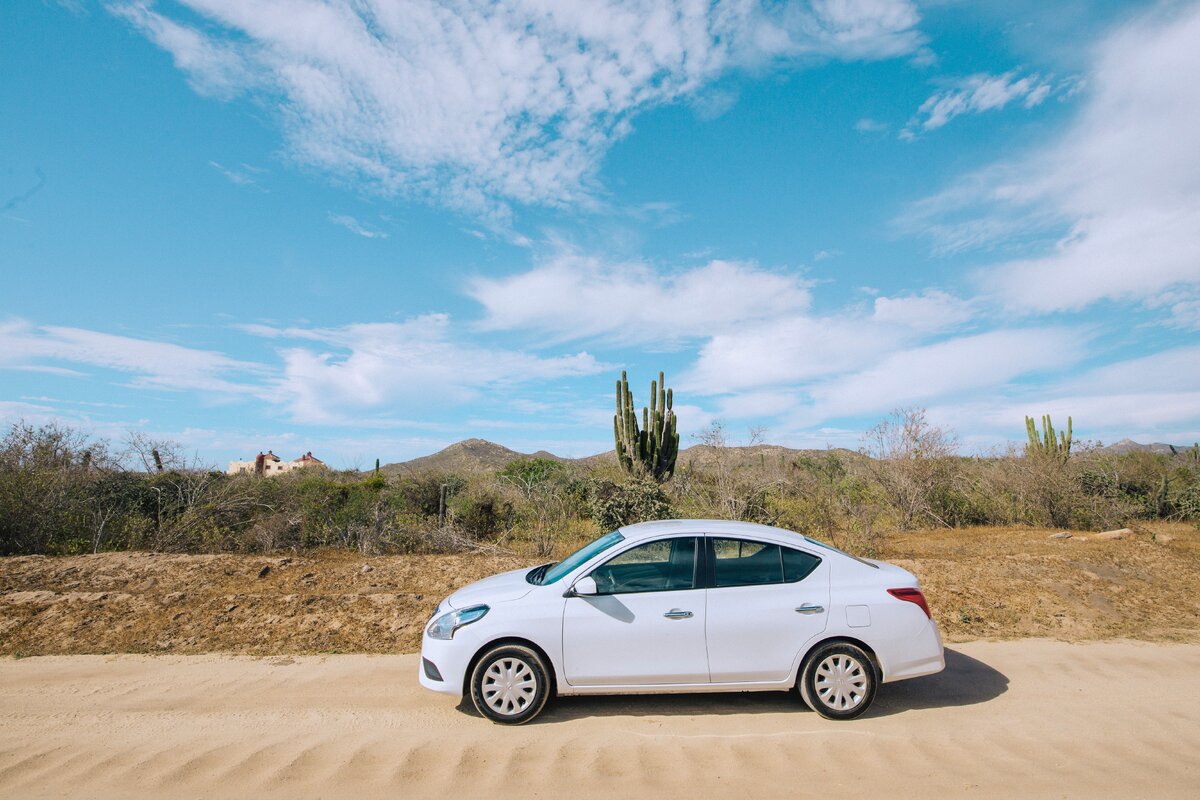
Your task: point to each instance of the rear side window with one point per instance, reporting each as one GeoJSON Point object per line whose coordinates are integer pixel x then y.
{"type": "Point", "coordinates": [797, 565]}
{"type": "Point", "coordinates": [738, 562]}
{"type": "Point", "coordinates": [741, 562]}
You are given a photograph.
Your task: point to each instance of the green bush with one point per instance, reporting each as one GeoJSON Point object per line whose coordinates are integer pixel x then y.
{"type": "Point", "coordinates": [612, 504]}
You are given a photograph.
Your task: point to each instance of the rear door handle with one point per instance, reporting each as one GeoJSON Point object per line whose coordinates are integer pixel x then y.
{"type": "Point", "coordinates": [675, 613]}
{"type": "Point", "coordinates": [809, 608]}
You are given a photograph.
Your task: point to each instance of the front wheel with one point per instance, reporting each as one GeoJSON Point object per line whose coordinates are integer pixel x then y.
{"type": "Point", "coordinates": [510, 684]}
{"type": "Point", "coordinates": [838, 681]}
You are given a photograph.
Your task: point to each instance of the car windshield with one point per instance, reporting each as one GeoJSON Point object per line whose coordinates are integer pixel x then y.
{"type": "Point", "coordinates": [541, 576]}
{"type": "Point", "coordinates": [843, 552]}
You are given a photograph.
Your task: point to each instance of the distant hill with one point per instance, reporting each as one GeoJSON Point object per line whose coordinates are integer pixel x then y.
{"type": "Point", "coordinates": [465, 457]}
{"type": "Point", "coordinates": [1130, 446]}
{"type": "Point", "coordinates": [479, 455]}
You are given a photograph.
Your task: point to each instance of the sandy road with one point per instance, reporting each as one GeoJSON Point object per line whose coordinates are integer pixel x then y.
{"type": "Point", "coordinates": [1027, 718]}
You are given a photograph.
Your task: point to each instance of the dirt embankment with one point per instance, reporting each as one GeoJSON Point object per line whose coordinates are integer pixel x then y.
{"type": "Point", "coordinates": [981, 583]}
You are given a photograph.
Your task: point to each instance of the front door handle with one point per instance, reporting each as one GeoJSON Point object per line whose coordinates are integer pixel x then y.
{"type": "Point", "coordinates": [809, 608]}
{"type": "Point", "coordinates": [675, 613]}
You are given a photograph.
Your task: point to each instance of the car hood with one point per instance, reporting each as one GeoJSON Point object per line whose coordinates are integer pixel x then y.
{"type": "Point", "coordinates": [496, 589]}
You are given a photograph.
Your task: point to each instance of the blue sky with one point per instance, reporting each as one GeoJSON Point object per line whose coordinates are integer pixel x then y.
{"type": "Point", "coordinates": [371, 229]}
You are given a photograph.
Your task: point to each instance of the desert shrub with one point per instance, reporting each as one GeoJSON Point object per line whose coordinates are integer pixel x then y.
{"type": "Point", "coordinates": [528, 475]}
{"type": "Point", "coordinates": [1187, 503]}
{"type": "Point", "coordinates": [46, 475]}
{"type": "Point", "coordinates": [482, 511]}
{"type": "Point", "coordinates": [422, 492]}
{"type": "Point", "coordinates": [62, 492]}
{"type": "Point", "coordinates": [914, 463]}
{"type": "Point", "coordinates": [613, 504]}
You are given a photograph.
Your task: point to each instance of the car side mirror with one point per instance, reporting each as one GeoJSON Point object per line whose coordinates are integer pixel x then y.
{"type": "Point", "coordinates": [585, 587]}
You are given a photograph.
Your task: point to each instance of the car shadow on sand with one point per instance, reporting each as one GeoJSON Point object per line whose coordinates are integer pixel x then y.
{"type": "Point", "coordinates": [965, 681]}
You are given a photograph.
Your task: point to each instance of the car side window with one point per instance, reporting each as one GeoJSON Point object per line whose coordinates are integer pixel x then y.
{"type": "Point", "coordinates": [658, 566]}
{"type": "Point", "coordinates": [740, 562]}
{"type": "Point", "coordinates": [798, 565]}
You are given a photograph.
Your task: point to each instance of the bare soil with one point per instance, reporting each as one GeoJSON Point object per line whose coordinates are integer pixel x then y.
{"type": "Point", "coordinates": [1029, 719]}
{"type": "Point", "coordinates": [995, 583]}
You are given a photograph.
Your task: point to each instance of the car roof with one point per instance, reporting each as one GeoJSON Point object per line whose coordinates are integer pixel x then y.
{"type": "Point", "coordinates": [646, 530]}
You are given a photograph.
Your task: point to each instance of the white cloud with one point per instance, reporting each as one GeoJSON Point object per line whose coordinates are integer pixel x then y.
{"type": "Point", "coordinates": [986, 361]}
{"type": "Point", "coordinates": [474, 102]}
{"type": "Point", "coordinates": [157, 365]}
{"type": "Point", "coordinates": [868, 125]}
{"type": "Point", "coordinates": [1123, 181]}
{"type": "Point", "coordinates": [238, 177]}
{"type": "Point", "coordinates": [379, 368]}
{"type": "Point", "coordinates": [354, 226]}
{"type": "Point", "coordinates": [787, 351]}
{"type": "Point", "coordinates": [932, 310]}
{"type": "Point", "coordinates": [576, 297]}
{"type": "Point", "coordinates": [976, 94]}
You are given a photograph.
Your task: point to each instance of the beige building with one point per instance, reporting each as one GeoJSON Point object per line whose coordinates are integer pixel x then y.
{"type": "Point", "coordinates": [269, 465]}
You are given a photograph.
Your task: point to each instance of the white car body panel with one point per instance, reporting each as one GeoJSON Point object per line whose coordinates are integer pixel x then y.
{"type": "Point", "coordinates": [582, 642]}
{"type": "Point", "coordinates": [755, 633]}
{"type": "Point", "coordinates": [625, 639]}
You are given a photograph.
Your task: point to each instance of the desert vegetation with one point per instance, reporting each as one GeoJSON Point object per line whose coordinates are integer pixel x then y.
{"type": "Point", "coordinates": [63, 492]}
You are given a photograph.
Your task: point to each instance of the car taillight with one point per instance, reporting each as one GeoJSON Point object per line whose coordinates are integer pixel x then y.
{"type": "Point", "coordinates": [912, 596]}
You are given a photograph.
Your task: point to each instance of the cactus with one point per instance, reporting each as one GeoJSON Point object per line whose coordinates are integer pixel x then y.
{"type": "Point", "coordinates": [1160, 498]}
{"type": "Point", "coordinates": [1046, 444]}
{"type": "Point", "coordinates": [1194, 453]}
{"type": "Point", "coordinates": [652, 448]}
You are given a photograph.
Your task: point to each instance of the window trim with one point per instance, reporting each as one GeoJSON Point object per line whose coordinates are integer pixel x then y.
{"type": "Point", "coordinates": [710, 560]}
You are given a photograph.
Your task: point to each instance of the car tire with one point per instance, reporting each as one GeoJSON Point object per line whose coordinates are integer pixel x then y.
{"type": "Point", "coordinates": [510, 684]}
{"type": "Point", "coordinates": [838, 680]}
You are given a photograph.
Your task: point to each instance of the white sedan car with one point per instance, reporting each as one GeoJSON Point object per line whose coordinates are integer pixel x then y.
{"type": "Point", "coordinates": [683, 606]}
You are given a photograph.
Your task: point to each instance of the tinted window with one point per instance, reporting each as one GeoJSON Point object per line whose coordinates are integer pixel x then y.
{"type": "Point", "coordinates": [797, 565]}
{"type": "Point", "coordinates": [738, 562]}
{"type": "Point", "coordinates": [656, 566]}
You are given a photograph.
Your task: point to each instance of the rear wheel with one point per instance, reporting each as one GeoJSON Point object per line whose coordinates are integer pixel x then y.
{"type": "Point", "coordinates": [510, 684]}
{"type": "Point", "coordinates": [838, 681]}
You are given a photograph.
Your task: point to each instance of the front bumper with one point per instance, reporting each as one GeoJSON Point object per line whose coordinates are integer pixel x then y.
{"type": "Point", "coordinates": [450, 659]}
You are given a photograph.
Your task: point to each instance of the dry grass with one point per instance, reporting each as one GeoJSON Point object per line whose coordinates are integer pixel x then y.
{"type": "Point", "coordinates": [981, 583]}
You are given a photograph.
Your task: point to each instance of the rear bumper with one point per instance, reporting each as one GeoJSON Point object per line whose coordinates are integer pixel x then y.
{"type": "Point", "coordinates": [920, 655]}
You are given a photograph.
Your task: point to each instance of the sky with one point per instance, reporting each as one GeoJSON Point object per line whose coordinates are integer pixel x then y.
{"type": "Point", "coordinates": [370, 229]}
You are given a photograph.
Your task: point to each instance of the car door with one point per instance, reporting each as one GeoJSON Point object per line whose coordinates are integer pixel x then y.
{"type": "Point", "coordinates": [765, 601]}
{"type": "Point", "coordinates": [646, 627]}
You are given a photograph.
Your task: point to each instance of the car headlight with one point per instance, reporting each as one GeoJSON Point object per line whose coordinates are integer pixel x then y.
{"type": "Point", "coordinates": [444, 626]}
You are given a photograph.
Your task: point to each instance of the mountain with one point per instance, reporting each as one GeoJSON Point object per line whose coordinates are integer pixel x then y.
{"type": "Point", "coordinates": [1130, 446]}
{"type": "Point", "coordinates": [465, 457]}
{"type": "Point", "coordinates": [479, 455]}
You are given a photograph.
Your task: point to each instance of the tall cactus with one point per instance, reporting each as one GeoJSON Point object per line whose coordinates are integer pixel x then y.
{"type": "Point", "coordinates": [652, 448]}
{"type": "Point", "coordinates": [1046, 444]}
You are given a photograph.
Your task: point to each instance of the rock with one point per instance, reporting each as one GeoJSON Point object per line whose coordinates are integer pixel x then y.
{"type": "Point", "coordinates": [1079, 538]}
{"type": "Point", "coordinates": [1060, 535]}
{"type": "Point", "coordinates": [1121, 533]}
{"type": "Point", "coordinates": [262, 573]}
{"type": "Point", "coordinates": [366, 568]}
{"type": "Point", "coordinates": [1163, 538]}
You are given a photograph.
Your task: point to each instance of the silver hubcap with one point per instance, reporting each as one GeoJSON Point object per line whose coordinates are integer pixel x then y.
{"type": "Point", "coordinates": [509, 686]}
{"type": "Point", "coordinates": [841, 682]}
